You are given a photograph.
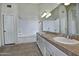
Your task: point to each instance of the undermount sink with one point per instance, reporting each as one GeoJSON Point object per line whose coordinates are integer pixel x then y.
{"type": "Point", "coordinates": [65, 40]}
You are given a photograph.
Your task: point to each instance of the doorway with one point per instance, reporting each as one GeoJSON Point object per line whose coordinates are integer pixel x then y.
{"type": "Point", "coordinates": [9, 29]}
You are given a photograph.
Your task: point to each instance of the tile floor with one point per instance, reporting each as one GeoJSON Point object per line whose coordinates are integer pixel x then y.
{"type": "Point", "coordinates": [26, 49]}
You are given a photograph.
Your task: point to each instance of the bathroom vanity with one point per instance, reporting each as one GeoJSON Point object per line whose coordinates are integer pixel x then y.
{"type": "Point", "coordinates": [49, 47]}
{"type": "Point", "coordinates": [64, 19]}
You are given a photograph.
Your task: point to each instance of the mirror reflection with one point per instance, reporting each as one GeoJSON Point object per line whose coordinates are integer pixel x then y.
{"type": "Point", "coordinates": [63, 19]}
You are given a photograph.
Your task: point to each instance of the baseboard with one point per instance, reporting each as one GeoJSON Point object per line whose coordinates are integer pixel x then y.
{"type": "Point", "coordinates": [10, 44]}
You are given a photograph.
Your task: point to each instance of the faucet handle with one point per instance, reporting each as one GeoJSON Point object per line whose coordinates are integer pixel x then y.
{"type": "Point", "coordinates": [67, 36]}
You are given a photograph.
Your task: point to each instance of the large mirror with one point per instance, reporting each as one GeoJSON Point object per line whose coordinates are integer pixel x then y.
{"type": "Point", "coordinates": [51, 24]}
{"type": "Point", "coordinates": [57, 22]}
{"type": "Point", "coordinates": [63, 19]}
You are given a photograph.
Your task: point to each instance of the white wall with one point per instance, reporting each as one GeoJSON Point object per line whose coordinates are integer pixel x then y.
{"type": "Point", "coordinates": [28, 22]}
{"type": "Point", "coordinates": [10, 11]}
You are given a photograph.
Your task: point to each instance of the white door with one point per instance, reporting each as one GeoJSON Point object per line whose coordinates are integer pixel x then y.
{"type": "Point", "coordinates": [9, 33]}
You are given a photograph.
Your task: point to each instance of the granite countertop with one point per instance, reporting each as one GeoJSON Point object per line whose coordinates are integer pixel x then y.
{"type": "Point", "coordinates": [71, 50]}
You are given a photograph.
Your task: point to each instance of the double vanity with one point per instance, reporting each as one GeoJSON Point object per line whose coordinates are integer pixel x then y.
{"type": "Point", "coordinates": [57, 44]}
{"type": "Point", "coordinates": [63, 19]}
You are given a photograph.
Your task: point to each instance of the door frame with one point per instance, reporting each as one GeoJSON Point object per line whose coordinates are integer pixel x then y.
{"type": "Point", "coordinates": [3, 35]}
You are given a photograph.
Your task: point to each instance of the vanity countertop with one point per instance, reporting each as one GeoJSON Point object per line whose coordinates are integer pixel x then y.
{"type": "Point", "coordinates": [71, 50]}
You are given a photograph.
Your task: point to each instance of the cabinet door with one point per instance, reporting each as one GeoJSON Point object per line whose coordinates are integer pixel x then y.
{"type": "Point", "coordinates": [53, 50]}
{"type": "Point", "coordinates": [41, 45]}
{"type": "Point", "coordinates": [49, 51]}
{"type": "Point", "coordinates": [57, 52]}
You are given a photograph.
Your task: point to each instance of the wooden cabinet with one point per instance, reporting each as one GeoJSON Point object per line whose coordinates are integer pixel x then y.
{"type": "Point", "coordinates": [47, 48]}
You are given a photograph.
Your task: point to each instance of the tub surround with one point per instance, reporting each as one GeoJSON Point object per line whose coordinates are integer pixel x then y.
{"type": "Point", "coordinates": [71, 50]}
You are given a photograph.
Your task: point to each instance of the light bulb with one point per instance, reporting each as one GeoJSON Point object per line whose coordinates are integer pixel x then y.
{"type": "Point", "coordinates": [48, 15]}
{"type": "Point", "coordinates": [44, 14]}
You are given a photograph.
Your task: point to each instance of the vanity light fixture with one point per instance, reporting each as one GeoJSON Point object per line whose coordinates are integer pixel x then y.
{"type": "Point", "coordinates": [48, 15]}
{"type": "Point", "coordinates": [44, 14]}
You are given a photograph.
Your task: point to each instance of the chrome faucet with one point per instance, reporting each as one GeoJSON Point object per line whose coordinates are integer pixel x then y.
{"type": "Point", "coordinates": [67, 36]}
{"type": "Point", "coordinates": [71, 36]}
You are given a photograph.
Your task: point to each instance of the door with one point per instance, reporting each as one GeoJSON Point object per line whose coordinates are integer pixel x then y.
{"type": "Point", "coordinates": [9, 29]}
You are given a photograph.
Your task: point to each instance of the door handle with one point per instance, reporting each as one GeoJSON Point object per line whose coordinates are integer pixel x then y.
{"type": "Point", "coordinates": [4, 31]}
